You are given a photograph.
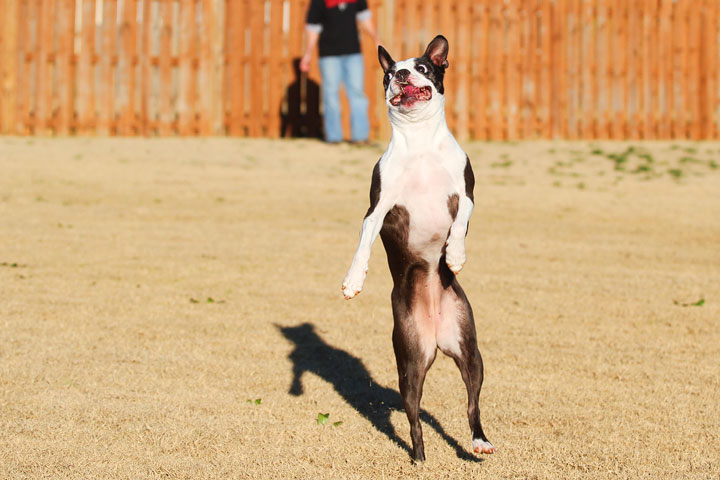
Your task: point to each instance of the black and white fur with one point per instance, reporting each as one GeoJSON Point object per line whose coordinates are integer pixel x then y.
{"type": "Point", "coordinates": [421, 199]}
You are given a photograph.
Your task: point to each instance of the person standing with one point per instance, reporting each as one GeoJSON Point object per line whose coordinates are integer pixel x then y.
{"type": "Point", "coordinates": [332, 25]}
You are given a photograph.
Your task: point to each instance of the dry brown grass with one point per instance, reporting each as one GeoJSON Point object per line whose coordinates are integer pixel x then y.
{"type": "Point", "coordinates": [114, 364]}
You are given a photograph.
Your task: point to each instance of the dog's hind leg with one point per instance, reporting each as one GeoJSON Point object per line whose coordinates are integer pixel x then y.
{"type": "Point", "coordinates": [471, 369]}
{"type": "Point", "coordinates": [457, 338]}
{"type": "Point", "coordinates": [412, 376]}
{"type": "Point", "coordinates": [414, 352]}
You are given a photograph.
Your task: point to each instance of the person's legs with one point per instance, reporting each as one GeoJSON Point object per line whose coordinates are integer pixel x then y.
{"type": "Point", "coordinates": [353, 78]}
{"type": "Point", "coordinates": [331, 71]}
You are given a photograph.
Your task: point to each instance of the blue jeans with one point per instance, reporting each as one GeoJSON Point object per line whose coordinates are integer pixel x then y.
{"type": "Point", "coordinates": [349, 71]}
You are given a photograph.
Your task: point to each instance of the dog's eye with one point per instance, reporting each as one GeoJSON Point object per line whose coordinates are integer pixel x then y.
{"type": "Point", "coordinates": [422, 69]}
{"type": "Point", "coordinates": [388, 76]}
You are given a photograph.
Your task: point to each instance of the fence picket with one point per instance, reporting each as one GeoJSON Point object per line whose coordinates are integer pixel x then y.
{"type": "Point", "coordinates": [644, 80]}
{"type": "Point", "coordinates": [695, 26]}
{"type": "Point", "coordinates": [41, 110]}
{"type": "Point", "coordinates": [480, 78]}
{"type": "Point", "coordinates": [86, 70]}
{"type": "Point", "coordinates": [128, 59]}
{"type": "Point", "coordinates": [495, 81]}
{"type": "Point", "coordinates": [634, 60]}
{"type": "Point", "coordinates": [166, 115]}
{"type": "Point", "coordinates": [654, 69]}
{"type": "Point", "coordinates": [671, 78]}
{"type": "Point", "coordinates": [146, 116]}
{"type": "Point", "coordinates": [546, 91]}
{"type": "Point", "coordinates": [64, 65]}
{"type": "Point", "coordinates": [447, 23]}
{"type": "Point", "coordinates": [186, 97]}
{"type": "Point", "coordinates": [573, 64]}
{"type": "Point", "coordinates": [4, 68]}
{"type": "Point", "coordinates": [9, 68]}
{"type": "Point", "coordinates": [211, 65]}
{"type": "Point", "coordinates": [462, 69]}
{"type": "Point", "coordinates": [512, 70]}
{"type": "Point", "coordinates": [236, 53]}
{"type": "Point", "coordinates": [587, 72]}
{"type": "Point", "coordinates": [106, 121]}
{"type": "Point", "coordinates": [274, 74]}
{"type": "Point", "coordinates": [256, 18]}
{"type": "Point", "coordinates": [712, 66]}
{"type": "Point", "coordinates": [397, 47]}
{"type": "Point", "coordinates": [682, 107]}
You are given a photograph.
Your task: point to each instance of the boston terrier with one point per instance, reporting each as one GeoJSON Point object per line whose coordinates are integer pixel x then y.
{"type": "Point", "coordinates": [421, 198]}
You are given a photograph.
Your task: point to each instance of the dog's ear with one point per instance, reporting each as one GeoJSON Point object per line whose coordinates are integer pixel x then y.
{"type": "Point", "coordinates": [386, 60]}
{"type": "Point", "coordinates": [437, 51]}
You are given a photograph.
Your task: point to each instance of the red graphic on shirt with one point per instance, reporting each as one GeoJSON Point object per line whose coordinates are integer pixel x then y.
{"type": "Point", "coordinates": [335, 3]}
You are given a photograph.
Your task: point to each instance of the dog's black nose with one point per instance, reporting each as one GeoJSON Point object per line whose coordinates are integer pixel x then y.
{"type": "Point", "coordinates": [402, 75]}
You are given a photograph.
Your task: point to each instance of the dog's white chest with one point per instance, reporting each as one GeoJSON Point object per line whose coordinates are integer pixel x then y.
{"type": "Point", "coordinates": [425, 189]}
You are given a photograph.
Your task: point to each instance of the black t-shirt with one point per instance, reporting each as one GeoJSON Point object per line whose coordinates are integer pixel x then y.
{"type": "Point", "coordinates": [339, 35]}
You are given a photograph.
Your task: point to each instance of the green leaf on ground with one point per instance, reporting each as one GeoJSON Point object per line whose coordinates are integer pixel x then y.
{"type": "Point", "coordinates": [699, 303]}
{"type": "Point", "coordinates": [676, 172]}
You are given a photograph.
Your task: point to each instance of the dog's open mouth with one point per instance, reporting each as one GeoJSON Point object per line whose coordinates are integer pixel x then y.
{"type": "Point", "coordinates": [411, 94]}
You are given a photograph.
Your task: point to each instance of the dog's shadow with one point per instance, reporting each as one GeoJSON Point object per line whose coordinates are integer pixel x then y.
{"type": "Point", "coordinates": [353, 382]}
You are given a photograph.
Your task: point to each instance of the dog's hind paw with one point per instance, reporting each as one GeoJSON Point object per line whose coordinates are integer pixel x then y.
{"type": "Point", "coordinates": [480, 446]}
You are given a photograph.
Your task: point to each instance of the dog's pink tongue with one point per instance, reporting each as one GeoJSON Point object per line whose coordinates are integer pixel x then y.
{"type": "Point", "coordinates": [409, 89]}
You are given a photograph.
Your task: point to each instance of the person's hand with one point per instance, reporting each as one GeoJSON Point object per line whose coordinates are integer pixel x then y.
{"type": "Point", "coordinates": [305, 62]}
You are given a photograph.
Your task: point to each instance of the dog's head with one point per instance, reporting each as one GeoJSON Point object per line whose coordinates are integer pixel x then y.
{"type": "Point", "coordinates": [412, 84]}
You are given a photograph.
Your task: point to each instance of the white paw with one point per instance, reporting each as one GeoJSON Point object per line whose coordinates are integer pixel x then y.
{"type": "Point", "coordinates": [482, 447]}
{"type": "Point", "coordinates": [455, 255]}
{"type": "Point", "coordinates": [353, 283]}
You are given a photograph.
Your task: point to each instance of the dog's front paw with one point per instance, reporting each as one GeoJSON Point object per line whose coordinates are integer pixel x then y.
{"type": "Point", "coordinates": [353, 283]}
{"type": "Point", "coordinates": [455, 255]}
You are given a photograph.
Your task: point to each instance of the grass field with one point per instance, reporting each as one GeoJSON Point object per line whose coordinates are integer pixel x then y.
{"type": "Point", "coordinates": [172, 309]}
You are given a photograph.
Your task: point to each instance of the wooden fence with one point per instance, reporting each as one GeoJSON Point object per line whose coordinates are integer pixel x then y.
{"type": "Point", "coordinates": [518, 68]}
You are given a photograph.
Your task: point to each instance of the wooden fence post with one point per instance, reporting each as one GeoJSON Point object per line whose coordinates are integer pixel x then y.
{"type": "Point", "coordinates": [146, 69]}
{"type": "Point", "coordinates": [546, 99]}
{"type": "Point", "coordinates": [236, 21]}
{"type": "Point", "coordinates": [680, 130]}
{"type": "Point", "coordinates": [43, 76]}
{"type": "Point", "coordinates": [274, 70]}
{"type": "Point", "coordinates": [9, 12]}
{"type": "Point", "coordinates": [186, 95]}
{"type": "Point", "coordinates": [480, 69]}
{"type": "Point", "coordinates": [711, 67]}
{"type": "Point", "coordinates": [695, 94]}
{"type": "Point", "coordinates": [108, 63]}
{"type": "Point", "coordinates": [211, 91]}
{"type": "Point", "coordinates": [166, 114]}
{"type": "Point", "coordinates": [128, 35]}
{"type": "Point", "coordinates": [64, 64]}
{"type": "Point", "coordinates": [653, 69]}
{"type": "Point", "coordinates": [447, 24]}
{"type": "Point", "coordinates": [512, 68]}
{"type": "Point", "coordinates": [86, 70]}
{"type": "Point", "coordinates": [257, 87]}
